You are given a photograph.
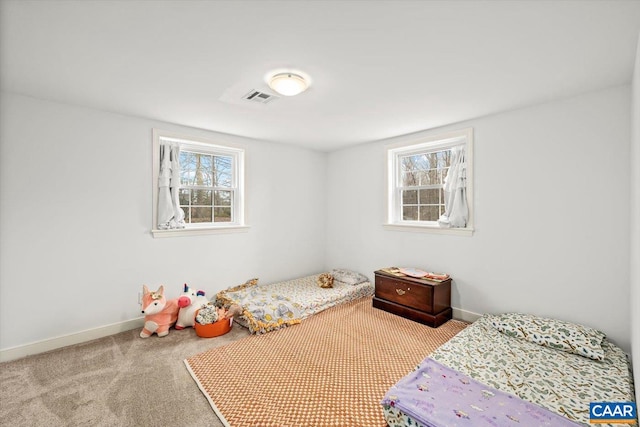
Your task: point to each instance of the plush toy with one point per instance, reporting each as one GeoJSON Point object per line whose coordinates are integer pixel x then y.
{"type": "Point", "coordinates": [159, 313]}
{"type": "Point", "coordinates": [233, 310]}
{"type": "Point", "coordinates": [189, 302]}
{"type": "Point", "coordinates": [325, 280]}
{"type": "Point", "coordinates": [211, 314]}
{"type": "Point", "coordinates": [208, 315]}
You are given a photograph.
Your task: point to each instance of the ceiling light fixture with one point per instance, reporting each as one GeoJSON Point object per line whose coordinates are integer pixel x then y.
{"type": "Point", "coordinates": [288, 84]}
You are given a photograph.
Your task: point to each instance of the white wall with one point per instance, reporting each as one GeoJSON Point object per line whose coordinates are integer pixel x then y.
{"type": "Point", "coordinates": [74, 254]}
{"type": "Point", "coordinates": [635, 223]}
{"type": "Point", "coordinates": [551, 215]}
{"type": "Point", "coordinates": [75, 220]}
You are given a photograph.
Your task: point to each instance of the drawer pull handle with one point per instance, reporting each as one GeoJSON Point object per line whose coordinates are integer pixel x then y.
{"type": "Point", "coordinates": [400, 291]}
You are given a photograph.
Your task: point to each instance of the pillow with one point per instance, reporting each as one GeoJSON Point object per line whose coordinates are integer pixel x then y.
{"type": "Point", "coordinates": [347, 276]}
{"type": "Point", "coordinates": [557, 334]}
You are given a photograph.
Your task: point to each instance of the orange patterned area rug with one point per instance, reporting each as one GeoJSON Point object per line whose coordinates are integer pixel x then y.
{"type": "Point", "coordinates": [331, 370]}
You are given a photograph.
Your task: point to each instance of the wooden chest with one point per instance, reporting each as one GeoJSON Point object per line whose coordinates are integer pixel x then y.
{"type": "Point", "coordinates": [420, 300]}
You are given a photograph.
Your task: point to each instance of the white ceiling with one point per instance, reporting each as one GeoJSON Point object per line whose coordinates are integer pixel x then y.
{"type": "Point", "coordinates": [378, 68]}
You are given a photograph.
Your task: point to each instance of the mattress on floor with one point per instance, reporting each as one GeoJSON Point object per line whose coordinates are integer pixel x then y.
{"type": "Point", "coordinates": [272, 306]}
{"type": "Point", "coordinates": [558, 381]}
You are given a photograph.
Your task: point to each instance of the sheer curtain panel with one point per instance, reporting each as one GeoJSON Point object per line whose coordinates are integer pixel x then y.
{"type": "Point", "coordinates": [170, 215]}
{"type": "Point", "coordinates": [456, 212]}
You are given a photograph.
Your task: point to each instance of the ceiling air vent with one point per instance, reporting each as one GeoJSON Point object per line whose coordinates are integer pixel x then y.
{"type": "Point", "coordinates": [259, 97]}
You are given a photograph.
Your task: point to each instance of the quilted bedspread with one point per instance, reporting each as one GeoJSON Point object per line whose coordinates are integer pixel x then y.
{"type": "Point", "coordinates": [273, 306]}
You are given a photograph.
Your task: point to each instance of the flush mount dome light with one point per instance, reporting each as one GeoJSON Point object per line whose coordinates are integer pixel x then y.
{"type": "Point", "coordinates": [288, 84]}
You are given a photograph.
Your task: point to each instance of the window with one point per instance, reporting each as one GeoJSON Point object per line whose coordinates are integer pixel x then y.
{"type": "Point", "coordinates": [430, 183]}
{"type": "Point", "coordinates": [203, 189]}
{"type": "Point", "coordinates": [206, 190]}
{"type": "Point", "coordinates": [421, 186]}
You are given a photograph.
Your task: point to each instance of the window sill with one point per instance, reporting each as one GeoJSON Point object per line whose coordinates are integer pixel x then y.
{"type": "Point", "coordinates": [198, 231]}
{"type": "Point", "coordinates": [429, 229]}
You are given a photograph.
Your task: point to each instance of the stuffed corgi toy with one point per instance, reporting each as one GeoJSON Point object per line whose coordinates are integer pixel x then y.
{"type": "Point", "coordinates": [189, 302]}
{"type": "Point", "coordinates": [159, 313]}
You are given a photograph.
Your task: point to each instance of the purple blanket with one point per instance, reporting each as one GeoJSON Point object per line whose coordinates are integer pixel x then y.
{"type": "Point", "coordinates": [436, 396]}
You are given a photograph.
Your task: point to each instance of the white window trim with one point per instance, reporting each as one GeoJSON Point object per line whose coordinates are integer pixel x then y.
{"type": "Point", "coordinates": [417, 144]}
{"type": "Point", "coordinates": [189, 142]}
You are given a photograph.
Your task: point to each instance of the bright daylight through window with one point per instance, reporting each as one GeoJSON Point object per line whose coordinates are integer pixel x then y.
{"type": "Point", "coordinates": [430, 183]}
{"type": "Point", "coordinates": [199, 186]}
{"type": "Point", "coordinates": [206, 192]}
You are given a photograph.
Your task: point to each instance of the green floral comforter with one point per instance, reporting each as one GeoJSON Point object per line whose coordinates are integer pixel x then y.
{"type": "Point", "coordinates": [562, 382]}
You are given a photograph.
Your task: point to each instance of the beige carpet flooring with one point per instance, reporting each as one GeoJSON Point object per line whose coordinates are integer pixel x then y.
{"type": "Point", "coordinates": [120, 380]}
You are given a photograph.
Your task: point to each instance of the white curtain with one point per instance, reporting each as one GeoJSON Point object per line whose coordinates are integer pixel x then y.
{"type": "Point", "coordinates": [170, 215]}
{"type": "Point", "coordinates": [456, 212]}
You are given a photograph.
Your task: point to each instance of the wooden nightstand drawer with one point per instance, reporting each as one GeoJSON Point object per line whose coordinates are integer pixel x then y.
{"type": "Point", "coordinates": [412, 295]}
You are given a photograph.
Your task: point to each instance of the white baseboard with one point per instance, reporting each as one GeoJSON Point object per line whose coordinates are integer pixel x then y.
{"type": "Point", "coordinates": [103, 331]}
{"type": "Point", "coordinates": [65, 340]}
{"type": "Point", "coordinates": [467, 316]}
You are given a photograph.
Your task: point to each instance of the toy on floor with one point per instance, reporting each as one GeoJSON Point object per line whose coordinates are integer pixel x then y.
{"type": "Point", "coordinates": [212, 321]}
{"type": "Point", "coordinates": [189, 302]}
{"type": "Point", "coordinates": [325, 280]}
{"type": "Point", "coordinates": [210, 314]}
{"type": "Point", "coordinates": [233, 310]}
{"type": "Point", "coordinates": [159, 313]}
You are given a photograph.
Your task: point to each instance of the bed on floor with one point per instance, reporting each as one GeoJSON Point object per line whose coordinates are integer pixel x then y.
{"type": "Point", "coordinates": [512, 369]}
{"type": "Point", "coordinates": [273, 306]}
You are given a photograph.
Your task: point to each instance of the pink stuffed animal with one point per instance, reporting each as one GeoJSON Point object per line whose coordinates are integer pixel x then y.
{"type": "Point", "coordinates": [189, 302]}
{"type": "Point", "coordinates": [159, 313]}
